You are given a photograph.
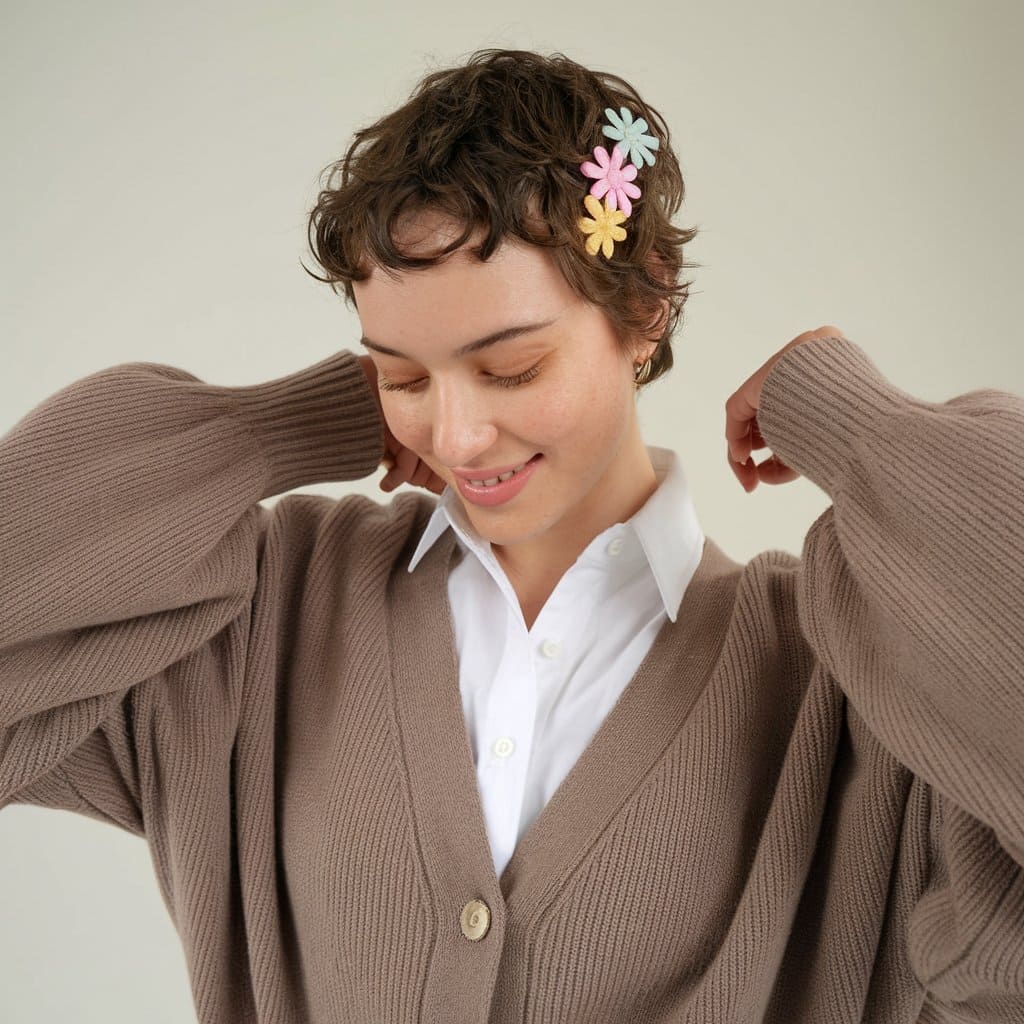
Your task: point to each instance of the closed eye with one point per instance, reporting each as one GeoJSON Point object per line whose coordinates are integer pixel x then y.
{"type": "Point", "coordinates": [506, 382]}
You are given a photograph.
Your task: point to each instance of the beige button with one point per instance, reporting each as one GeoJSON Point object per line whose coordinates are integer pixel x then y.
{"type": "Point", "coordinates": [475, 920]}
{"type": "Point", "coordinates": [550, 649]}
{"type": "Point", "coordinates": [615, 546]}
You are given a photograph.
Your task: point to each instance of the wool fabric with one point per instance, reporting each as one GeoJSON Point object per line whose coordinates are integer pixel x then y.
{"type": "Point", "coordinates": [806, 806]}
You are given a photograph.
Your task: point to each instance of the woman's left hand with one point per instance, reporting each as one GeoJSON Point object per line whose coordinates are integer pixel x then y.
{"type": "Point", "coordinates": [741, 430]}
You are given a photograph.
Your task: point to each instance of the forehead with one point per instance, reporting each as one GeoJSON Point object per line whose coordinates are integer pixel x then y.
{"type": "Point", "coordinates": [462, 297]}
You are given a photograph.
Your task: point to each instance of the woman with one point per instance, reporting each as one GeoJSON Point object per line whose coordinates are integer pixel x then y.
{"type": "Point", "coordinates": [538, 750]}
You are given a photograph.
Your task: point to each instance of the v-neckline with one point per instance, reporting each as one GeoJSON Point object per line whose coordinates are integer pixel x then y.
{"type": "Point", "coordinates": [448, 813]}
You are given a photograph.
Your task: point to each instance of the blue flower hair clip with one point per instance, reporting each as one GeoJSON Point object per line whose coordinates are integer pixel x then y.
{"type": "Point", "coordinates": [631, 134]}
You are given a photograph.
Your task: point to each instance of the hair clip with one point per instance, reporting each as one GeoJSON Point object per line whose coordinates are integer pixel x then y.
{"type": "Point", "coordinates": [632, 134]}
{"type": "Point", "coordinates": [614, 180]}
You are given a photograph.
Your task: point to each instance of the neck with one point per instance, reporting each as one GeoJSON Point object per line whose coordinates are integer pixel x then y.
{"type": "Point", "coordinates": [534, 567]}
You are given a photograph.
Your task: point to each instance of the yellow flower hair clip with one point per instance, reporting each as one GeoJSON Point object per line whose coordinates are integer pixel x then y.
{"type": "Point", "coordinates": [614, 180]}
{"type": "Point", "coordinates": [602, 226]}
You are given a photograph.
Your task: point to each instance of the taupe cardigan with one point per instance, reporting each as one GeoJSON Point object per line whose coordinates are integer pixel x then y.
{"type": "Point", "coordinates": [807, 806]}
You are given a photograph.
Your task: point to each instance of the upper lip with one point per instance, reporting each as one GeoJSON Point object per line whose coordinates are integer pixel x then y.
{"type": "Point", "coordinates": [488, 474]}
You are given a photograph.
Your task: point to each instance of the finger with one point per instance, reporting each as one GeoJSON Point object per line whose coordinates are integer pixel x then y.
{"type": "Point", "coordinates": [774, 471]}
{"type": "Point", "coordinates": [739, 415]}
{"type": "Point", "coordinates": [425, 477]}
{"type": "Point", "coordinates": [756, 436]}
{"type": "Point", "coordinates": [398, 471]}
{"type": "Point", "coordinates": [740, 448]}
{"type": "Point", "coordinates": [745, 472]}
{"type": "Point", "coordinates": [422, 474]}
{"type": "Point", "coordinates": [405, 463]}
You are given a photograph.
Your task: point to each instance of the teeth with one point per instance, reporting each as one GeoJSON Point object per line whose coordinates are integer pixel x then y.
{"type": "Point", "coordinates": [494, 479]}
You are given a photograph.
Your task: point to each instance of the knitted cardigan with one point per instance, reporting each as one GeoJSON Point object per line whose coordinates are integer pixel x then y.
{"type": "Point", "coordinates": [807, 805]}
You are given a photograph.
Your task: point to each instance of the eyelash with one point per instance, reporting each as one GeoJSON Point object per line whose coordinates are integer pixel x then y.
{"type": "Point", "coordinates": [505, 382]}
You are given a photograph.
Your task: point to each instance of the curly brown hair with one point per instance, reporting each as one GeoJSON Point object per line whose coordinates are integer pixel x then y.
{"type": "Point", "coordinates": [496, 144]}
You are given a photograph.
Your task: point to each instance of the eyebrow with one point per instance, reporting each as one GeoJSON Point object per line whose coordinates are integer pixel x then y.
{"type": "Point", "coordinates": [474, 346]}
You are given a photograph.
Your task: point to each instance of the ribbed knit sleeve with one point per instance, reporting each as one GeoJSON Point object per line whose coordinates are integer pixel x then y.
{"type": "Point", "coordinates": [129, 536]}
{"type": "Point", "coordinates": [911, 593]}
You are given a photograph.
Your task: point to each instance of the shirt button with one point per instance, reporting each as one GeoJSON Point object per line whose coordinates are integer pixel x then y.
{"type": "Point", "coordinates": [615, 546]}
{"type": "Point", "coordinates": [503, 747]}
{"type": "Point", "coordinates": [550, 649]}
{"type": "Point", "coordinates": [475, 920]}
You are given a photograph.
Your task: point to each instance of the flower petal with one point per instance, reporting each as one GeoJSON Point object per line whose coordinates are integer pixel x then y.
{"type": "Point", "coordinates": [641, 156]}
{"type": "Point", "coordinates": [606, 246]}
{"type": "Point", "coordinates": [600, 187]}
{"type": "Point", "coordinates": [625, 205]}
{"type": "Point", "coordinates": [593, 244]}
{"type": "Point", "coordinates": [594, 207]}
{"type": "Point", "coordinates": [630, 189]}
{"type": "Point", "coordinates": [614, 118]}
{"type": "Point", "coordinates": [591, 170]}
{"type": "Point", "coordinates": [628, 172]}
{"type": "Point", "coordinates": [618, 234]}
{"type": "Point", "coordinates": [617, 157]}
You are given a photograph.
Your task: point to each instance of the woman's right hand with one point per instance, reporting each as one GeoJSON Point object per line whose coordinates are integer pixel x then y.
{"type": "Point", "coordinates": [403, 465]}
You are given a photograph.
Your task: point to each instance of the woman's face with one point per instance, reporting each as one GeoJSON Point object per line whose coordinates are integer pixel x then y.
{"type": "Point", "coordinates": [560, 389]}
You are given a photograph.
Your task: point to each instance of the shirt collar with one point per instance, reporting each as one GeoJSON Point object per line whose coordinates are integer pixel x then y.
{"type": "Point", "coordinates": [666, 531]}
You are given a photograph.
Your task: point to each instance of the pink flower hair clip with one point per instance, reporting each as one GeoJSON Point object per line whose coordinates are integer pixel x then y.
{"type": "Point", "coordinates": [614, 180]}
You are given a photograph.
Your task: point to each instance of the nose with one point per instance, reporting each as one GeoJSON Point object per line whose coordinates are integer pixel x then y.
{"type": "Point", "coordinates": [462, 426]}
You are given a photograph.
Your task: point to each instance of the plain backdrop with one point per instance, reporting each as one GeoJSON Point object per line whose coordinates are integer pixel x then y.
{"type": "Point", "coordinates": [857, 165]}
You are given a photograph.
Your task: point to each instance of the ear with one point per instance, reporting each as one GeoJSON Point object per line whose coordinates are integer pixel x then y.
{"type": "Point", "coordinates": [646, 351]}
{"type": "Point", "coordinates": [639, 351]}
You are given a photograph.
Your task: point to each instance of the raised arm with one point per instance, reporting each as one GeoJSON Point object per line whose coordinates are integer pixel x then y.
{"type": "Point", "coordinates": [911, 593]}
{"type": "Point", "coordinates": [129, 539]}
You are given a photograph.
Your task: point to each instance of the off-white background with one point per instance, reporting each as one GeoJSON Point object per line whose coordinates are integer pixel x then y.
{"type": "Point", "coordinates": [858, 165]}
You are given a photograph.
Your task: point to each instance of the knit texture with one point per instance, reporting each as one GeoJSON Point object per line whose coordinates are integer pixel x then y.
{"type": "Point", "coordinates": [806, 806]}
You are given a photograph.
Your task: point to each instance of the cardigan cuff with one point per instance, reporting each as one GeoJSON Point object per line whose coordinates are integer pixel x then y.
{"type": "Point", "coordinates": [817, 400]}
{"type": "Point", "coordinates": [316, 425]}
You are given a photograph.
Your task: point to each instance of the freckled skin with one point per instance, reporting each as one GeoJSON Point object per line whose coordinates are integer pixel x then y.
{"type": "Point", "coordinates": [579, 411]}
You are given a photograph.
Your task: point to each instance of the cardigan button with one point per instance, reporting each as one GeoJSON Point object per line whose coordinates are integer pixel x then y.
{"type": "Point", "coordinates": [475, 920]}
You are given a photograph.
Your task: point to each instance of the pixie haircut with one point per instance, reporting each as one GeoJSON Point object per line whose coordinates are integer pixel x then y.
{"type": "Point", "coordinates": [496, 144]}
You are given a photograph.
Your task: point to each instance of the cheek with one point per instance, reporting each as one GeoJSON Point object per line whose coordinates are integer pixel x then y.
{"type": "Point", "coordinates": [590, 410]}
{"type": "Point", "coordinates": [403, 421]}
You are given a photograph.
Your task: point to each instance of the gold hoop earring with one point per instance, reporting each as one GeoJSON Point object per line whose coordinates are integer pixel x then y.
{"type": "Point", "coordinates": [642, 372]}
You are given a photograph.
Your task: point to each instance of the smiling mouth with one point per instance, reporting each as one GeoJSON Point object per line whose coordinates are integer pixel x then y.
{"type": "Point", "coordinates": [495, 480]}
{"type": "Point", "coordinates": [491, 481]}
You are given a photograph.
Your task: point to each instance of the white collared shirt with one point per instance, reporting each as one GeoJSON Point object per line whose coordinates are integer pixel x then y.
{"type": "Point", "coordinates": [533, 699]}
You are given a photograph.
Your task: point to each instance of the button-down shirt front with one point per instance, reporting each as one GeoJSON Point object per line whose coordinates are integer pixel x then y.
{"type": "Point", "coordinates": [534, 698]}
